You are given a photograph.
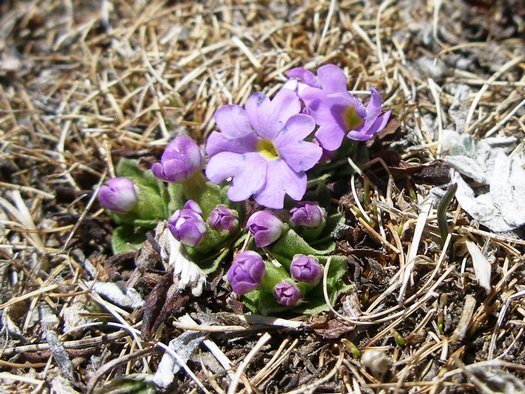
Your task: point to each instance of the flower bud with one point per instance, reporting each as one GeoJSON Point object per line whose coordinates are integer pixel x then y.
{"type": "Point", "coordinates": [187, 225]}
{"type": "Point", "coordinates": [119, 195]}
{"type": "Point", "coordinates": [193, 206]}
{"type": "Point", "coordinates": [307, 214]}
{"type": "Point", "coordinates": [306, 269]}
{"type": "Point", "coordinates": [223, 218]}
{"type": "Point", "coordinates": [265, 227]}
{"type": "Point", "coordinates": [246, 272]}
{"type": "Point", "coordinates": [286, 293]}
{"type": "Point", "coordinates": [181, 159]}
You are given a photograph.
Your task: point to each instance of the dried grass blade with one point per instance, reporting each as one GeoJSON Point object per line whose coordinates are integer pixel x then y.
{"type": "Point", "coordinates": [412, 253]}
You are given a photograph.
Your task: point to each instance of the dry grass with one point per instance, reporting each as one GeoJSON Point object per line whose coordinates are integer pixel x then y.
{"type": "Point", "coordinates": [84, 83]}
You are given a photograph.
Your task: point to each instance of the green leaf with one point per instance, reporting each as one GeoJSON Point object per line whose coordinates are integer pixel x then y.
{"type": "Point", "coordinates": [129, 168]}
{"type": "Point", "coordinates": [127, 239]}
{"type": "Point", "coordinates": [262, 302]}
{"type": "Point", "coordinates": [291, 244]}
{"type": "Point", "coordinates": [175, 197]}
{"type": "Point", "coordinates": [131, 384]}
{"type": "Point", "coordinates": [211, 265]}
{"type": "Point", "coordinates": [442, 212]}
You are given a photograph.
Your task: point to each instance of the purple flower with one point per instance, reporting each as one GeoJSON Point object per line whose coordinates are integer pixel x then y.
{"type": "Point", "coordinates": [286, 293]}
{"type": "Point", "coordinates": [307, 214]}
{"type": "Point", "coordinates": [181, 159]}
{"type": "Point", "coordinates": [306, 269]}
{"type": "Point", "coordinates": [262, 148]}
{"type": "Point", "coordinates": [187, 225]}
{"type": "Point", "coordinates": [246, 272]}
{"type": "Point", "coordinates": [265, 227]}
{"type": "Point", "coordinates": [340, 114]}
{"type": "Point", "coordinates": [119, 195]}
{"type": "Point", "coordinates": [223, 218]}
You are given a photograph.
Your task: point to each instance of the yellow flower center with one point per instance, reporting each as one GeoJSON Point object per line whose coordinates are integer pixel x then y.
{"type": "Point", "coordinates": [267, 149]}
{"type": "Point", "coordinates": [351, 118]}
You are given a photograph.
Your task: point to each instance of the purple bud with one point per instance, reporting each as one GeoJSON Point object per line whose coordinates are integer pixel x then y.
{"type": "Point", "coordinates": [246, 272]}
{"type": "Point", "coordinates": [193, 206]}
{"type": "Point", "coordinates": [119, 195]}
{"type": "Point", "coordinates": [265, 227]}
{"type": "Point", "coordinates": [307, 214]}
{"type": "Point", "coordinates": [306, 269]}
{"type": "Point", "coordinates": [223, 218]}
{"type": "Point", "coordinates": [187, 226]}
{"type": "Point", "coordinates": [181, 159]}
{"type": "Point", "coordinates": [286, 293]}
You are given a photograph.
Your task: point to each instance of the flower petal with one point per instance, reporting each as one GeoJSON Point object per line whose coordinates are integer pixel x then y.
{"type": "Point", "coordinates": [300, 155]}
{"type": "Point", "coordinates": [250, 179]}
{"type": "Point", "coordinates": [376, 127]}
{"type": "Point", "coordinates": [373, 109]}
{"type": "Point", "coordinates": [258, 109]}
{"type": "Point", "coordinates": [315, 102]}
{"type": "Point", "coordinates": [281, 180]}
{"type": "Point", "coordinates": [184, 146]}
{"type": "Point", "coordinates": [298, 127]}
{"type": "Point", "coordinates": [174, 170]}
{"type": "Point", "coordinates": [224, 165]}
{"type": "Point", "coordinates": [304, 75]}
{"type": "Point", "coordinates": [330, 136]}
{"type": "Point", "coordinates": [268, 117]}
{"type": "Point", "coordinates": [285, 104]}
{"type": "Point", "coordinates": [219, 142]}
{"type": "Point", "coordinates": [332, 78]}
{"type": "Point", "coordinates": [233, 121]}
{"type": "Point", "coordinates": [380, 122]}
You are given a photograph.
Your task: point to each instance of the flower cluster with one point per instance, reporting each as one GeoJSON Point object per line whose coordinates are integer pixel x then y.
{"type": "Point", "coordinates": [265, 151]}
{"type": "Point", "coordinates": [249, 272]}
{"type": "Point", "coordinates": [267, 147]}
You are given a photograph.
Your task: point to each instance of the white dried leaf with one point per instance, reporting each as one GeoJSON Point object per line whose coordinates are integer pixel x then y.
{"type": "Point", "coordinates": [186, 271]}
{"type": "Point", "coordinates": [467, 166]}
{"type": "Point", "coordinates": [60, 355]}
{"type": "Point", "coordinates": [183, 346]}
{"type": "Point", "coordinates": [59, 385]}
{"type": "Point", "coordinates": [499, 381]}
{"type": "Point", "coordinates": [127, 297]}
{"type": "Point", "coordinates": [377, 361]}
{"type": "Point", "coordinates": [502, 207]}
{"type": "Point", "coordinates": [47, 317]}
{"type": "Point", "coordinates": [73, 318]}
{"type": "Point", "coordinates": [481, 208]}
{"type": "Point", "coordinates": [507, 188]}
{"type": "Point", "coordinates": [9, 325]}
{"type": "Point", "coordinates": [482, 267]}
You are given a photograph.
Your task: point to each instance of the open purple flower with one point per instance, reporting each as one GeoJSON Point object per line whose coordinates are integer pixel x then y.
{"type": "Point", "coordinates": [306, 269]}
{"type": "Point", "coordinates": [265, 227]}
{"type": "Point", "coordinates": [262, 148]}
{"type": "Point", "coordinates": [286, 293]}
{"type": "Point", "coordinates": [223, 218]}
{"type": "Point", "coordinates": [187, 225]}
{"type": "Point", "coordinates": [307, 214]}
{"type": "Point", "coordinates": [119, 195]}
{"type": "Point", "coordinates": [246, 272]}
{"type": "Point", "coordinates": [340, 114]}
{"type": "Point", "coordinates": [181, 159]}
